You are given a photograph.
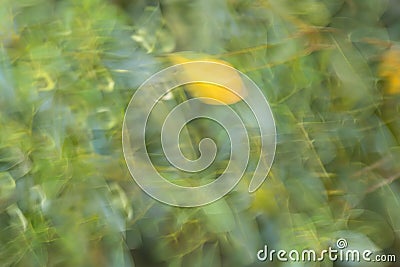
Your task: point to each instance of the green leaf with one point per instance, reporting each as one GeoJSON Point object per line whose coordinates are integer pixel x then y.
{"type": "Point", "coordinates": [219, 217]}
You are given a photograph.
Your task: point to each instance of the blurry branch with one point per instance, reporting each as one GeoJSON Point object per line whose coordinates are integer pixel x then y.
{"type": "Point", "coordinates": [378, 42]}
{"type": "Point", "coordinates": [374, 166]}
{"type": "Point", "coordinates": [386, 181]}
{"type": "Point", "coordinates": [371, 167]}
{"type": "Point", "coordinates": [142, 213]}
{"type": "Point", "coordinates": [312, 147]}
{"type": "Point", "coordinates": [246, 50]}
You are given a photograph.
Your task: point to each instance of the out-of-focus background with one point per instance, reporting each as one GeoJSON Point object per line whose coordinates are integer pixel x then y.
{"type": "Point", "coordinates": [330, 70]}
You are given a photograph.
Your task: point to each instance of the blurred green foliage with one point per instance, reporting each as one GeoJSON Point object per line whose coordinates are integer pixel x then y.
{"type": "Point", "coordinates": [69, 68]}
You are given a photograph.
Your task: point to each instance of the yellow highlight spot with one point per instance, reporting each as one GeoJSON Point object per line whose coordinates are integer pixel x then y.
{"type": "Point", "coordinates": [225, 77]}
{"type": "Point", "coordinates": [390, 70]}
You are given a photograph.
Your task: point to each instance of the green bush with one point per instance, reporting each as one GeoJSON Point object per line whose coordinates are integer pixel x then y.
{"type": "Point", "coordinates": [69, 68]}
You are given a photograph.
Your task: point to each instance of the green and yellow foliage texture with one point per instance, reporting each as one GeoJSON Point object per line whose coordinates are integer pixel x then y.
{"type": "Point", "coordinates": [329, 68]}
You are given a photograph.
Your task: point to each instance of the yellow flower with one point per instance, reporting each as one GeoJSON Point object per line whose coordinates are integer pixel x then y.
{"type": "Point", "coordinates": [390, 70]}
{"type": "Point", "coordinates": [229, 77]}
